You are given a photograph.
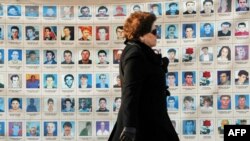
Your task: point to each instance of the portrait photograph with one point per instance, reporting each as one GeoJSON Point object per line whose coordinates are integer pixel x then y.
{"type": "Point", "coordinates": [241, 77]}
{"type": "Point", "coordinates": [15, 104]}
{"type": "Point", "coordinates": [207, 6]}
{"type": "Point", "coordinates": [223, 77]}
{"type": "Point", "coordinates": [68, 104]}
{"type": "Point", "coordinates": [102, 128]}
{"type": "Point", "coordinates": [85, 105]}
{"type": "Point", "coordinates": [241, 102]}
{"type": "Point", "coordinates": [225, 6]}
{"type": "Point", "coordinates": [32, 33]}
{"type": "Point", "coordinates": [2, 30]}
{"type": "Point", "coordinates": [15, 129]}
{"type": "Point", "coordinates": [241, 52]}
{"type": "Point", "coordinates": [49, 33]}
{"type": "Point", "coordinates": [206, 78]}
{"type": "Point", "coordinates": [33, 105]}
{"type": "Point", "coordinates": [241, 29]}
{"type": "Point", "coordinates": [85, 81]}
{"type": "Point", "coordinates": [15, 81]}
{"type": "Point", "coordinates": [85, 33]}
{"type": "Point", "coordinates": [102, 57]}
{"type": "Point", "coordinates": [85, 128]}
{"type": "Point", "coordinates": [102, 80]}
{"type": "Point", "coordinates": [85, 11]}
{"type": "Point", "coordinates": [49, 11]}
{"type": "Point", "coordinates": [221, 123]}
{"type": "Point", "coordinates": [32, 11]}
{"type": "Point", "coordinates": [136, 8]}
{"type": "Point", "coordinates": [206, 102]}
{"type": "Point", "coordinates": [67, 57]}
{"type": "Point", "coordinates": [117, 55]}
{"type": "Point", "coordinates": [103, 104]}
{"type": "Point", "coordinates": [50, 104]}
{"type": "Point", "coordinates": [2, 56]}
{"type": "Point", "coordinates": [15, 32]}
{"type": "Point", "coordinates": [68, 128]}
{"type": "Point", "coordinates": [172, 103]}
{"type": "Point", "coordinates": [67, 33]}
{"type": "Point", "coordinates": [189, 103]}
{"type": "Point", "coordinates": [102, 11]}
{"type": "Point", "coordinates": [172, 8]}
{"type": "Point", "coordinates": [155, 8]}
{"type": "Point", "coordinates": [68, 81]}
{"type": "Point", "coordinates": [32, 57]}
{"type": "Point", "coordinates": [119, 10]}
{"type": "Point", "coordinates": [15, 56]}
{"type": "Point", "coordinates": [49, 57]}
{"type": "Point", "coordinates": [206, 30]}
{"type": "Point", "coordinates": [117, 104]}
{"type": "Point", "coordinates": [171, 31]}
{"type": "Point", "coordinates": [116, 80]}
{"type": "Point", "coordinates": [206, 127]}
{"type": "Point", "coordinates": [67, 12]}
{"type": "Point", "coordinates": [14, 10]}
{"type": "Point", "coordinates": [224, 102]}
{"type": "Point", "coordinates": [50, 81]}
{"type": "Point", "coordinates": [2, 128]}
{"type": "Point", "coordinates": [32, 81]}
{"type": "Point", "coordinates": [2, 104]}
{"type": "Point", "coordinates": [224, 29]}
{"type": "Point", "coordinates": [206, 54]}
{"type": "Point", "coordinates": [241, 5]}
{"type": "Point", "coordinates": [102, 33]}
{"type": "Point", "coordinates": [33, 129]}
{"type": "Point", "coordinates": [189, 78]}
{"type": "Point", "coordinates": [188, 54]}
{"type": "Point", "coordinates": [189, 7]}
{"type": "Point", "coordinates": [224, 53]}
{"type": "Point", "coordinates": [172, 79]}
{"type": "Point", "coordinates": [118, 33]}
{"type": "Point", "coordinates": [189, 127]}
{"type": "Point", "coordinates": [50, 128]}
{"type": "Point", "coordinates": [189, 31]}
{"type": "Point", "coordinates": [173, 55]}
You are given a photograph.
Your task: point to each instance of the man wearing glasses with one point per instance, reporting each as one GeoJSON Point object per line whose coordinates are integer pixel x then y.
{"type": "Point", "coordinates": [102, 83]}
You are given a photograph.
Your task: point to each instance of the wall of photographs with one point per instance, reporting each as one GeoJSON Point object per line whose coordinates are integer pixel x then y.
{"type": "Point", "coordinates": [59, 67]}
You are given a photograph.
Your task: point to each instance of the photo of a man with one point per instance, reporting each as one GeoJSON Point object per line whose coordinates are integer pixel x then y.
{"type": "Point", "coordinates": [50, 128]}
{"type": "Point", "coordinates": [32, 33]}
{"type": "Point", "coordinates": [224, 102]}
{"type": "Point", "coordinates": [15, 32]}
{"type": "Point", "coordinates": [172, 8]}
{"type": "Point", "coordinates": [15, 81]}
{"type": "Point", "coordinates": [85, 81]}
{"type": "Point", "coordinates": [50, 11]}
{"type": "Point", "coordinates": [102, 33]}
{"type": "Point", "coordinates": [15, 56]}
{"type": "Point", "coordinates": [190, 7]}
{"type": "Point", "coordinates": [32, 81]}
{"type": "Point", "coordinates": [68, 105]}
{"type": "Point", "coordinates": [50, 57]}
{"type": "Point", "coordinates": [68, 81]}
{"type": "Point", "coordinates": [32, 57]}
{"type": "Point", "coordinates": [102, 11]}
{"type": "Point", "coordinates": [68, 33]}
{"type": "Point", "coordinates": [102, 81]}
{"type": "Point", "coordinates": [225, 29]}
{"type": "Point", "coordinates": [84, 11]}
{"type": "Point", "coordinates": [50, 81]}
{"type": "Point", "coordinates": [85, 57]}
{"type": "Point", "coordinates": [85, 33]}
{"type": "Point", "coordinates": [67, 55]}
{"type": "Point", "coordinates": [68, 128]}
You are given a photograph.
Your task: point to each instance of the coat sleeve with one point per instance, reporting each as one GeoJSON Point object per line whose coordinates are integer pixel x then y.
{"type": "Point", "coordinates": [133, 70]}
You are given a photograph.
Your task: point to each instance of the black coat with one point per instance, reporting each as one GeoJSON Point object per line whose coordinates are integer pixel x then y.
{"type": "Point", "coordinates": [143, 96]}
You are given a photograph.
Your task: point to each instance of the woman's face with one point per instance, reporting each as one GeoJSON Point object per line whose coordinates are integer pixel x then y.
{"type": "Point", "coordinates": [149, 38]}
{"type": "Point", "coordinates": [224, 52]}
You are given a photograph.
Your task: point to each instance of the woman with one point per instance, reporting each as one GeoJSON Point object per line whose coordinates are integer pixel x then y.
{"type": "Point", "coordinates": [142, 115]}
{"type": "Point", "coordinates": [224, 54]}
{"type": "Point", "coordinates": [225, 6]}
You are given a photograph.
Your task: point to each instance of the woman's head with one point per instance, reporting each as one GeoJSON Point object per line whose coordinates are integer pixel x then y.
{"type": "Point", "coordinates": [225, 52]}
{"type": "Point", "coordinates": [140, 26]}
